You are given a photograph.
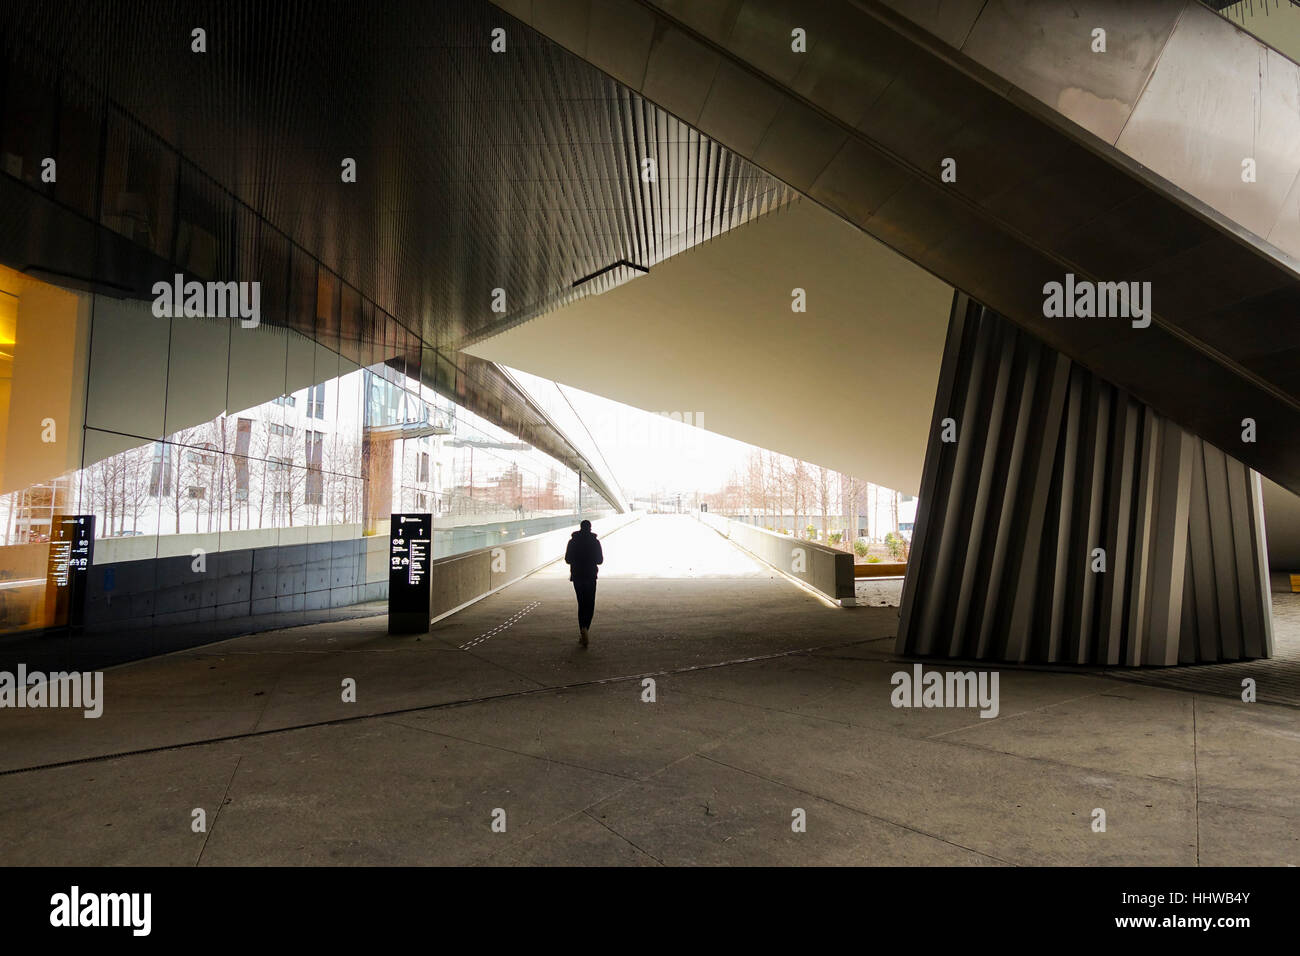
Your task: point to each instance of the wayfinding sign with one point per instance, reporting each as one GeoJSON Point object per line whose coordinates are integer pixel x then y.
{"type": "Point", "coordinates": [409, 546]}
{"type": "Point", "coordinates": [72, 552]}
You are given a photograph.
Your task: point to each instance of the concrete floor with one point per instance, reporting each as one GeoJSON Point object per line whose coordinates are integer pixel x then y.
{"type": "Point", "coordinates": [1277, 680]}
{"type": "Point", "coordinates": [767, 701]}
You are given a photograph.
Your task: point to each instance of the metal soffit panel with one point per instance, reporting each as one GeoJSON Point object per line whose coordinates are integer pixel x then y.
{"type": "Point", "coordinates": [1036, 196]}
{"type": "Point", "coordinates": [485, 389]}
{"type": "Point", "coordinates": [1180, 89]}
{"type": "Point", "coordinates": [56, 244]}
{"type": "Point", "coordinates": [476, 171]}
{"type": "Point", "coordinates": [1206, 70]}
{"type": "Point", "coordinates": [1037, 48]}
{"type": "Point", "coordinates": [655, 344]}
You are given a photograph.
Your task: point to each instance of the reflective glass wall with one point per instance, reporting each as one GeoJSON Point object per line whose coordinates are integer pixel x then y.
{"type": "Point", "coordinates": [234, 471]}
{"type": "Point", "coordinates": [239, 419]}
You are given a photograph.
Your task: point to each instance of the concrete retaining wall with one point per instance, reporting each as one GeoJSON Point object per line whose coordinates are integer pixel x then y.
{"type": "Point", "coordinates": [244, 583]}
{"type": "Point", "coordinates": [825, 570]}
{"type": "Point", "coordinates": [462, 579]}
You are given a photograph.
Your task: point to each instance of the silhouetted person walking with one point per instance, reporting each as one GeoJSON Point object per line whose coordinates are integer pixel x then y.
{"type": "Point", "coordinates": [582, 556]}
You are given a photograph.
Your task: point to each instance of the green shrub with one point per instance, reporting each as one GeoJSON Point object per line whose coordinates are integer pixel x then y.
{"type": "Point", "coordinates": [873, 559]}
{"type": "Point", "coordinates": [896, 545]}
{"type": "Point", "coordinates": [860, 548]}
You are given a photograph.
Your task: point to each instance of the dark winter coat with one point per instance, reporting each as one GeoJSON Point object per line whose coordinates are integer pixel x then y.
{"type": "Point", "coordinates": [583, 555]}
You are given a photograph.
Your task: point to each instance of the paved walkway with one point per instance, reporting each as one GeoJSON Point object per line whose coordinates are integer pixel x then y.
{"type": "Point", "coordinates": [1277, 680]}
{"type": "Point", "coordinates": [766, 702]}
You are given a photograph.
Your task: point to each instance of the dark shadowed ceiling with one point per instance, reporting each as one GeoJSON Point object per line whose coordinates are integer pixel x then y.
{"type": "Point", "coordinates": [475, 170]}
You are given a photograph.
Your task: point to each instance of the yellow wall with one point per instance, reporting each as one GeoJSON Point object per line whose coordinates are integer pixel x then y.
{"type": "Point", "coordinates": [44, 333]}
{"type": "Point", "coordinates": [44, 338]}
{"type": "Point", "coordinates": [8, 331]}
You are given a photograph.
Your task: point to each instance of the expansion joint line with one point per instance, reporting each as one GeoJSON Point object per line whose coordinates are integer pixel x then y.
{"type": "Point", "coordinates": [486, 635]}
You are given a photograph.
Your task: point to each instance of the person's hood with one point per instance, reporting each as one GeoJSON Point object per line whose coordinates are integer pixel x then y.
{"type": "Point", "coordinates": [580, 531]}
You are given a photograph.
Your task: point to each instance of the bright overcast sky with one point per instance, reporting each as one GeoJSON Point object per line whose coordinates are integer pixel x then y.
{"type": "Point", "coordinates": [649, 452]}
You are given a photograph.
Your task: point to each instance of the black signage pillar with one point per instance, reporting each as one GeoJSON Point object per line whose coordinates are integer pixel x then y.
{"type": "Point", "coordinates": [409, 546]}
{"type": "Point", "coordinates": [72, 552]}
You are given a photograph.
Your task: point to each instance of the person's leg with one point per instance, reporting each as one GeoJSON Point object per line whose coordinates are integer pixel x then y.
{"type": "Point", "coordinates": [582, 590]}
{"type": "Point", "coordinates": [587, 605]}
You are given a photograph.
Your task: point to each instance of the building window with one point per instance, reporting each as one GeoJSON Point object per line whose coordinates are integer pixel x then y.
{"type": "Point", "coordinates": [423, 467]}
{"type": "Point", "coordinates": [160, 476]}
{"type": "Point", "coordinates": [204, 454]}
{"type": "Point", "coordinates": [316, 402]}
{"type": "Point", "coordinates": [243, 438]}
{"type": "Point", "coordinates": [278, 464]}
{"type": "Point", "coordinates": [314, 494]}
{"type": "Point", "coordinates": [385, 405]}
{"type": "Point", "coordinates": [286, 400]}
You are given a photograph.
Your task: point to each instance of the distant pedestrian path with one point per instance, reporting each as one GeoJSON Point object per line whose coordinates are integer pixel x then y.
{"type": "Point", "coordinates": [670, 546]}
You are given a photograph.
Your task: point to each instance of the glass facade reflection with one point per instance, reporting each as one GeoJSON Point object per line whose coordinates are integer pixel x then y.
{"type": "Point", "coordinates": [234, 471]}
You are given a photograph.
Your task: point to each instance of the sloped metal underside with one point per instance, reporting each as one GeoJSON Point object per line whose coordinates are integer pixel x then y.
{"type": "Point", "coordinates": [1118, 167]}
{"type": "Point", "coordinates": [483, 179]}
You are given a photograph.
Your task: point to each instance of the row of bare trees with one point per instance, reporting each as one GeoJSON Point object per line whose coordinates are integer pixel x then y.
{"type": "Point", "coordinates": [771, 486]}
{"type": "Point", "coordinates": [199, 482]}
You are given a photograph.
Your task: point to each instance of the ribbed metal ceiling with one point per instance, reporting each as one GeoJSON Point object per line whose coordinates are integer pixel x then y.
{"type": "Point", "coordinates": [519, 170]}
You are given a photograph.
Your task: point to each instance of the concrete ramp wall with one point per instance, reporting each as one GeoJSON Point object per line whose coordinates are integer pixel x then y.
{"type": "Point", "coordinates": [827, 571]}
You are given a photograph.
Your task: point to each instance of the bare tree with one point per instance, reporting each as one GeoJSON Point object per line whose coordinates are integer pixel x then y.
{"type": "Point", "coordinates": [852, 489]}
{"type": "Point", "coordinates": [779, 485]}
{"type": "Point", "coordinates": [824, 497]}
{"type": "Point", "coordinates": [135, 484]}
{"type": "Point", "coordinates": [101, 478]}
{"type": "Point", "coordinates": [282, 478]}
{"type": "Point", "coordinates": [341, 489]}
{"type": "Point", "coordinates": [174, 469]}
{"type": "Point", "coordinates": [756, 484]}
{"type": "Point", "coordinates": [226, 431]}
{"type": "Point", "coordinates": [260, 445]}
{"type": "Point", "coordinates": [873, 505]}
{"type": "Point", "coordinates": [196, 466]}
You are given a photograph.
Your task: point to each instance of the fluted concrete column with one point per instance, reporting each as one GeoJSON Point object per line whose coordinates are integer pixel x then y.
{"type": "Point", "coordinates": [1063, 521]}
